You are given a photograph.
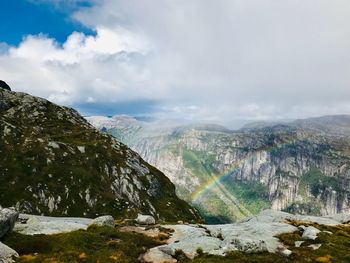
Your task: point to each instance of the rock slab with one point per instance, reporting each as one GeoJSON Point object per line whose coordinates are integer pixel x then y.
{"type": "Point", "coordinates": [7, 254]}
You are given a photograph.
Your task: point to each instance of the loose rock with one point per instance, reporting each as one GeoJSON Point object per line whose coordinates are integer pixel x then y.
{"type": "Point", "coordinates": [310, 233]}
{"type": "Point", "coordinates": [145, 219]}
{"type": "Point", "coordinates": [103, 221]}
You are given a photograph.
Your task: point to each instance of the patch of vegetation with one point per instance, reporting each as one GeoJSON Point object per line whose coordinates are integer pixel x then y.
{"type": "Point", "coordinates": [253, 195]}
{"type": "Point", "coordinates": [308, 208]}
{"type": "Point", "coordinates": [199, 162]}
{"type": "Point", "coordinates": [97, 244]}
{"type": "Point", "coordinates": [318, 182]}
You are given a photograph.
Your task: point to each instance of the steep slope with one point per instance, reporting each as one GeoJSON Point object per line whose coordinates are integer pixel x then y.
{"type": "Point", "coordinates": [229, 175]}
{"type": "Point", "coordinates": [54, 162]}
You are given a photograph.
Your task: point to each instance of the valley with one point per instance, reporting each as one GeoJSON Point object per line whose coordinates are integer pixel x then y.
{"type": "Point", "coordinates": [301, 166]}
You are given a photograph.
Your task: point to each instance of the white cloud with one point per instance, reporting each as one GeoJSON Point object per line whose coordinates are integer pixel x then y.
{"type": "Point", "coordinates": [217, 60]}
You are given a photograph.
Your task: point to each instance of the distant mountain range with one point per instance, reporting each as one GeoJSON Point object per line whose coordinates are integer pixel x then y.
{"type": "Point", "coordinates": [300, 166]}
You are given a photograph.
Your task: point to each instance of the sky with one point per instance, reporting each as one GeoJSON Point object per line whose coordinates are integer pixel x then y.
{"type": "Point", "coordinates": [216, 60]}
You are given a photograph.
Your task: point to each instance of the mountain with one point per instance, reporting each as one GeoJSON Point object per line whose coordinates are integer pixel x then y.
{"type": "Point", "coordinates": [300, 166]}
{"type": "Point", "coordinates": [54, 162]}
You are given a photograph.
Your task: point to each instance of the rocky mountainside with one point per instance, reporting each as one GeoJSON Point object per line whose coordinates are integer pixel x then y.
{"type": "Point", "coordinates": [300, 166]}
{"type": "Point", "coordinates": [54, 162]}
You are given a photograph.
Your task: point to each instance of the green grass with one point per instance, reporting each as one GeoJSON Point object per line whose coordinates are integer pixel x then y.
{"type": "Point", "coordinates": [97, 244]}
{"type": "Point", "coordinates": [253, 195]}
{"type": "Point", "coordinates": [318, 182]}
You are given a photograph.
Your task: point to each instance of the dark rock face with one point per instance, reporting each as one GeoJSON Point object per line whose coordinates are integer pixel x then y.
{"type": "Point", "coordinates": [8, 218]}
{"type": "Point", "coordinates": [4, 85]}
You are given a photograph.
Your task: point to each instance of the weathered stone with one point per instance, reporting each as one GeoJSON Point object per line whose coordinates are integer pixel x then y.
{"type": "Point", "coordinates": [8, 218]}
{"type": "Point", "coordinates": [286, 252]}
{"type": "Point", "coordinates": [310, 233]}
{"type": "Point", "coordinates": [298, 243]}
{"type": "Point", "coordinates": [155, 255]}
{"type": "Point", "coordinates": [314, 246]}
{"type": "Point", "coordinates": [145, 219]}
{"type": "Point", "coordinates": [34, 225]}
{"type": "Point", "coordinates": [7, 254]}
{"type": "Point", "coordinates": [103, 221]}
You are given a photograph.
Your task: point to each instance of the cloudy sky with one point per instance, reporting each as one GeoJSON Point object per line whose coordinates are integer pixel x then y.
{"type": "Point", "coordinates": [217, 60]}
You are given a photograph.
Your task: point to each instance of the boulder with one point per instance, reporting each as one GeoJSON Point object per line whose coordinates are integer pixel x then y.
{"type": "Point", "coordinates": [145, 219]}
{"type": "Point", "coordinates": [4, 85]}
{"type": "Point", "coordinates": [7, 254]}
{"type": "Point", "coordinates": [310, 233]}
{"type": "Point", "coordinates": [103, 221]}
{"type": "Point", "coordinates": [8, 217]}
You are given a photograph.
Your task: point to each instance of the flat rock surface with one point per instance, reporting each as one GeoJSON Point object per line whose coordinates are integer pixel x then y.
{"type": "Point", "coordinates": [254, 234]}
{"type": "Point", "coordinates": [49, 225]}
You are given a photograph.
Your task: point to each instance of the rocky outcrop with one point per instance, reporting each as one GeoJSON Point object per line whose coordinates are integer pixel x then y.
{"type": "Point", "coordinates": [8, 218]}
{"type": "Point", "coordinates": [4, 85]}
{"type": "Point", "coordinates": [300, 167]}
{"type": "Point", "coordinates": [253, 235]}
{"type": "Point", "coordinates": [45, 225]}
{"type": "Point", "coordinates": [7, 254]}
{"type": "Point", "coordinates": [54, 162]}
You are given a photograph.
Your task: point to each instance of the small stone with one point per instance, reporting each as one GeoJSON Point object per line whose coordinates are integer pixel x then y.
{"type": "Point", "coordinates": [298, 243]}
{"type": "Point", "coordinates": [154, 255]}
{"type": "Point", "coordinates": [328, 232]}
{"type": "Point", "coordinates": [103, 221]}
{"type": "Point", "coordinates": [314, 246]}
{"type": "Point", "coordinates": [310, 233]}
{"type": "Point", "coordinates": [286, 252]}
{"type": "Point", "coordinates": [145, 219]}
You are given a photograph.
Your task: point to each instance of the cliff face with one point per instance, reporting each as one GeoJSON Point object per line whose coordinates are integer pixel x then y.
{"type": "Point", "coordinates": [295, 167]}
{"type": "Point", "coordinates": [54, 162]}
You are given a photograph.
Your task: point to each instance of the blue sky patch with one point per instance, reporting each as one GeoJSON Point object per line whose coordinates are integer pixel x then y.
{"type": "Point", "coordinates": [20, 18]}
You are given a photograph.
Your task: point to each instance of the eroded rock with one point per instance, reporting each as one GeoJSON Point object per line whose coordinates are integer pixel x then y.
{"type": "Point", "coordinates": [7, 254]}
{"type": "Point", "coordinates": [310, 233]}
{"type": "Point", "coordinates": [8, 218]}
{"type": "Point", "coordinates": [103, 221]}
{"type": "Point", "coordinates": [145, 219]}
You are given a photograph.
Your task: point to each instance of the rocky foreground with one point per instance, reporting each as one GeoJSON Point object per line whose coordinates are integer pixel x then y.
{"type": "Point", "coordinates": [270, 234]}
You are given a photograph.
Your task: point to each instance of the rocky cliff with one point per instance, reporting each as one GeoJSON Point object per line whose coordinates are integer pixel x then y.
{"type": "Point", "coordinates": [300, 167]}
{"type": "Point", "coordinates": [54, 162]}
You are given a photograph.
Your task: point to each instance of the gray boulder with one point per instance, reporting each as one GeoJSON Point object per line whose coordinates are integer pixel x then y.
{"type": "Point", "coordinates": [145, 220]}
{"type": "Point", "coordinates": [7, 254]}
{"type": "Point", "coordinates": [103, 221]}
{"type": "Point", "coordinates": [310, 233]}
{"type": "Point", "coordinates": [8, 217]}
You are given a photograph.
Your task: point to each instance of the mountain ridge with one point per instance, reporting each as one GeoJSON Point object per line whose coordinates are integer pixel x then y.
{"type": "Point", "coordinates": [55, 163]}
